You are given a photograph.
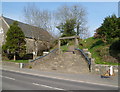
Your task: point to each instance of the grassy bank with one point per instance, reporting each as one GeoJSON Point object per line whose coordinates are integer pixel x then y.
{"type": "Point", "coordinates": [101, 52]}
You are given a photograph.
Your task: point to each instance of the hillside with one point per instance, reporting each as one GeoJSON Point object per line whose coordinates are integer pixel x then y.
{"type": "Point", "coordinates": [102, 52]}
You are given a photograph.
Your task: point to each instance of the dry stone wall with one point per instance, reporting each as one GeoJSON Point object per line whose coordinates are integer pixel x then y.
{"type": "Point", "coordinates": [99, 68]}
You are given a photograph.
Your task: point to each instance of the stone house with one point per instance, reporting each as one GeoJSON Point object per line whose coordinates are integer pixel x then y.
{"type": "Point", "coordinates": [37, 39]}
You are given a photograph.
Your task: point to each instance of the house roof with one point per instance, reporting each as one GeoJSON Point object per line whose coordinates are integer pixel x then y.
{"type": "Point", "coordinates": [31, 31]}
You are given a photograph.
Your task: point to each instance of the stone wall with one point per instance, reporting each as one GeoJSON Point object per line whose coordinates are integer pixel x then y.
{"type": "Point", "coordinates": [102, 69]}
{"type": "Point", "coordinates": [99, 68]}
{"type": "Point", "coordinates": [49, 56]}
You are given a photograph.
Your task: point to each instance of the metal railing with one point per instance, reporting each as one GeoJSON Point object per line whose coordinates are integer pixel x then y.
{"type": "Point", "coordinates": [44, 55]}
{"type": "Point", "coordinates": [86, 57]}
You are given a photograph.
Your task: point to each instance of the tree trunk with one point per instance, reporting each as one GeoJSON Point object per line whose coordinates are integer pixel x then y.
{"type": "Point", "coordinates": [14, 57]}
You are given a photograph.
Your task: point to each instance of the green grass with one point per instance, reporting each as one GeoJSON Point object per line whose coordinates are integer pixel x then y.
{"type": "Point", "coordinates": [108, 63]}
{"type": "Point", "coordinates": [64, 48]}
{"type": "Point", "coordinates": [18, 61]}
{"type": "Point", "coordinates": [98, 49]}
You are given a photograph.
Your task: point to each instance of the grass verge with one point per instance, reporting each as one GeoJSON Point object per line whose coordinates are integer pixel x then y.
{"type": "Point", "coordinates": [18, 61]}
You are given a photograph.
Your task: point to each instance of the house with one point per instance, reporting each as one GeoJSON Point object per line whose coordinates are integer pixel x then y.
{"type": "Point", "coordinates": [37, 39]}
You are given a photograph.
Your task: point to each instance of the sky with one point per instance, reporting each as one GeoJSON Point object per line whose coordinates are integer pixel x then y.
{"type": "Point", "coordinates": [96, 11]}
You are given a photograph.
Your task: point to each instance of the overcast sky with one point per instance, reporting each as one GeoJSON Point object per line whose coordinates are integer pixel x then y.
{"type": "Point", "coordinates": [96, 11]}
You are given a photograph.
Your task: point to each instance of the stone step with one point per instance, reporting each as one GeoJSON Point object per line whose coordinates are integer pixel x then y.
{"type": "Point", "coordinates": [66, 62]}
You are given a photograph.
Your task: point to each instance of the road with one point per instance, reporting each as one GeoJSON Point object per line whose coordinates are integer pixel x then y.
{"type": "Point", "coordinates": [19, 81]}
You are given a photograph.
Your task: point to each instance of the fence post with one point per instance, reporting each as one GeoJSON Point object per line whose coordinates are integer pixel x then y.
{"type": "Point", "coordinates": [21, 65]}
{"type": "Point", "coordinates": [59, 43]}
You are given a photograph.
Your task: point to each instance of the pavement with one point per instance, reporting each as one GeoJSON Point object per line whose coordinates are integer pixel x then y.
{"type": "Point", "coordinates": [88, 78]}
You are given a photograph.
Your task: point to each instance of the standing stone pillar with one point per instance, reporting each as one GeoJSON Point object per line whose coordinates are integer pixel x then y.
{"type": "Point", "coordinates": [59, 43]}
{"type": "Point", "coordinates": [93, 68]}
{"type": "Point", "coordinates": [76, 42]}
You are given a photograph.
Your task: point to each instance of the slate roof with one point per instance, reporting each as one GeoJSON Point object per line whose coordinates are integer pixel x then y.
{"type": "Point", "coordinates": [31, 31]}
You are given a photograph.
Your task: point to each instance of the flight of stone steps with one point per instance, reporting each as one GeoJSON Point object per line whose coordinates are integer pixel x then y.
{"type": "Point", "coordinates": [65, 62]}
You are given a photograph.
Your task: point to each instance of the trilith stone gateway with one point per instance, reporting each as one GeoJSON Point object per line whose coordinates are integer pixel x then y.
{"type": "Point", "coordinates": [37, 39]}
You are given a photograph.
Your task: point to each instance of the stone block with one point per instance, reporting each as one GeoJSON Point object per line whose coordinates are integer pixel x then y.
{"type": "Point", "coordinates": [89, 55]}
{"type": "Point", "coordinates": [44, 53]}
{"type": "Point", "coordinates": [85, 50]}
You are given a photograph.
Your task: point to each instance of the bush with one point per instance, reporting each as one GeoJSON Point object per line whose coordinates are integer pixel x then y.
{"type": "Point", "coordinates": [114, 50]}
{"type": "Point", "coordinates": [30, 67]}
{"type": "Point", "coordinates": [15, 41]}
{"type": "Point", "coordinates": [102, 52]}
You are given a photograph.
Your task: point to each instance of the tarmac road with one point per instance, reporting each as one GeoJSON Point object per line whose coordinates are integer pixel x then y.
{"type": "Point", "coordinates": [19, 81]}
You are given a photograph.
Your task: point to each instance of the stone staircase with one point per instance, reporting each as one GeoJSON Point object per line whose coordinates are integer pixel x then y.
{"type": "Point", "coordinates": [64, 62]}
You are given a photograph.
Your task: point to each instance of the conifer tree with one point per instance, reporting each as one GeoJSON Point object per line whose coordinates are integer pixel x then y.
{"type": "Point", "coordinates": [109, 29]}
{"type": "Point", "coordinates": [67, 29]}
{"type": "Point", "coordinates": [15, 41]}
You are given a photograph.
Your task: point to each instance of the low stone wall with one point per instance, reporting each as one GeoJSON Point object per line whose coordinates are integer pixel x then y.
{"type": "Point", "coordinates": [27, 65]}
{"type": "Point", "coordinates": [99, 68]}
{"type": "Point", "coordinates": [50, 55]}
{"type": "Point", "coordinates": [102, 69]}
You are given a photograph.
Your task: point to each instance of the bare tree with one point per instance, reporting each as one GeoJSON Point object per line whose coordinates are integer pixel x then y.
{"type": "Point", "coordinates": [37, 17]}
{"type": "Point", "coordinates": [77, 12]}
{"type": "Point", "coordinates": [49, 20]}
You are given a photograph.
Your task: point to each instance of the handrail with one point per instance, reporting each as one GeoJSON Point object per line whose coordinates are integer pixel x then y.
{"type": "Point", "coordinates": [44, 55]}
{"type": "Point", "coordinates": [88, 60]}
